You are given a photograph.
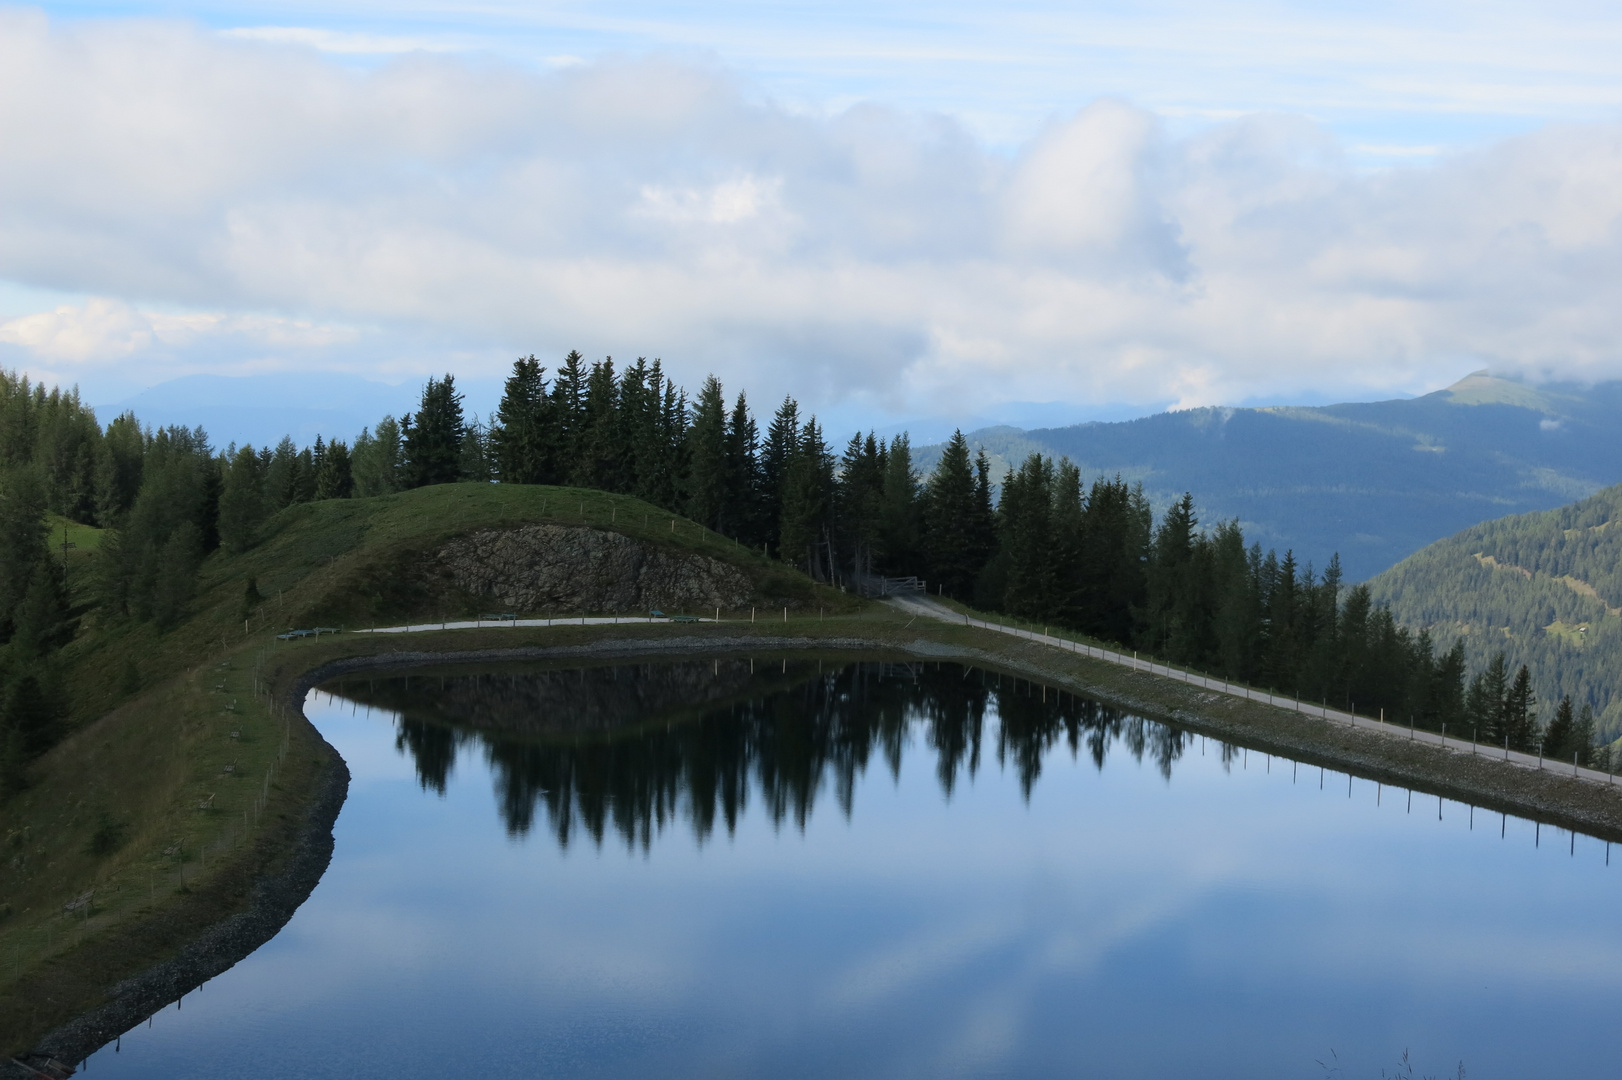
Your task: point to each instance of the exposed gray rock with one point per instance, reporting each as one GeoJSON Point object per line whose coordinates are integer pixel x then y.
{"type": "Point", "coordinates": [564, 568]}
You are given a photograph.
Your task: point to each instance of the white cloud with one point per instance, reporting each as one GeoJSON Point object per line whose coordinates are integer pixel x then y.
{"type": "Point", "coordinates": [347, 43]}
{"type": "Point", "coordinates": [661, 208]}
{"type": "Point", "coordinates": [102, 329]}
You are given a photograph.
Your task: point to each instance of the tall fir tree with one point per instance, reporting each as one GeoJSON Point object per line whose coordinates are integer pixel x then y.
{"type": "Point", "coordinates": [782, 446]}
{"type": "Point", "coordinates": [707, 456]}
{"type": "Point", "coordinates": [807, 492]}
{"type": "Point", "coordinates": [243, 507]}
{"type": "Point", "coordinates": [1485, 701]}
{"type": "Point", "coordinates": [858, 501]}
{"type": "Point", "coordinates": [1115, 543]}
{"type": "Point", "coordinates": [474, 465]}
{"type": "Point", "coordinates": [568, 412]}
{"type": "Point", "coordinates": [1025, 538]}
{"type": "Point", "coordinates": [1559, 740]}
{"type": "Point", "coordinates": [521, 435]}
{"type": "Point", "coordinates": [953, 548]}
{"type": "Point", "coordinates": [743, 512]}
{"type": "Point", "coordinates": [899, 539]}
{"type": "Point", "coordinates": [119, 464]}
{"type": "Point", "coordinates": [1520, 712]}
{"type": "Point", "coordinates": [23, 540]}
{"type": "Point", "coordinates": [431, 439]}
{"type": "Point", "coordinates": [599, 460]}
{"type": "Point", "coordinates": [335, 476]}
{"type": "Point", "coordinates": [376, 460]}
{"type": "Point", "coordinates": [1173, 585]}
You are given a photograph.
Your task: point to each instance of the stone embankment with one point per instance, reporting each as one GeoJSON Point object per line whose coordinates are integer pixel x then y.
{"type": "Point", "coordinates": [273, 899]}
{"type": "Point", "coordinates": [567, 568]}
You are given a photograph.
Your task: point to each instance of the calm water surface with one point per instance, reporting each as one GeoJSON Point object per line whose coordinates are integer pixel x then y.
{"type": "Point", "coordinates": [817, 868]}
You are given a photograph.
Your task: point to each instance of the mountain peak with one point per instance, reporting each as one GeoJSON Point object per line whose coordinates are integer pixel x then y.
{"type": "Point", "coordinates": [1484, 388]}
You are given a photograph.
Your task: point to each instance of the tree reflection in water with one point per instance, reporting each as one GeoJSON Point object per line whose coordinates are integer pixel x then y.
{"type": "Point", "coordinates": [630, 748]}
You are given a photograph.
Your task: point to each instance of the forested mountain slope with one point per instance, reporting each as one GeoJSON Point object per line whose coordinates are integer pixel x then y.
{"type": "Point", "coordinates": [1374, 481]}
{"type": "Point", "coordinates": [1544, 588]}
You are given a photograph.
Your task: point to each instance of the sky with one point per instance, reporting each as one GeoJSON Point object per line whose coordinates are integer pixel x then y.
{"type": "Point", "coordinates": [888, 210]}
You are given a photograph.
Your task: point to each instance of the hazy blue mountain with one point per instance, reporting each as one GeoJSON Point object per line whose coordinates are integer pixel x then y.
{"type": "Point", "coordinates": [260, 409]}
{"type": "Point", "coordinates": [1375, 481]}
{"type": "Point", "coordinates": [1545, 589]}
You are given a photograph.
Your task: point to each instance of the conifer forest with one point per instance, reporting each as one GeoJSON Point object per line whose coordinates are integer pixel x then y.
{"type": "Point", "coordinates": [1042, 542]}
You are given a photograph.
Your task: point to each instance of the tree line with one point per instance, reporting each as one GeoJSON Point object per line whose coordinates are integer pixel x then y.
{"type": "Point", "coordinates": [1039, 543]}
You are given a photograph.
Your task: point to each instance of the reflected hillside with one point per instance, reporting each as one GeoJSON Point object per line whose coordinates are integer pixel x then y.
{"type": "Point", "coordinates": [626, 750]}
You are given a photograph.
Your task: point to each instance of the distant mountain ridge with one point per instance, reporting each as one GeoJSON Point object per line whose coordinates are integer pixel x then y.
{"type": "Point", "coordinates": [1545, 589]}
{"type": "Point", "coordinates": [1375, 481]}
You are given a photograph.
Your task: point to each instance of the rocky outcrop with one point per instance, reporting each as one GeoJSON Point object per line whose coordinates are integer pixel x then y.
{"type": "Point", "coordinates": [540, 568]}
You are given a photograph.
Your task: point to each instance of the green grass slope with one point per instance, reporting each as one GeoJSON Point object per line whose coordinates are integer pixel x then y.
{"type": "Point", "coordinates": [346, 562]}
{"type": "Point", "coordinates": [1544, 588]}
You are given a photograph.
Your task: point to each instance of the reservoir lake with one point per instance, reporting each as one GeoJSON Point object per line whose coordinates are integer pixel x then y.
{"type": "Point", "coordinates": [803, 866]}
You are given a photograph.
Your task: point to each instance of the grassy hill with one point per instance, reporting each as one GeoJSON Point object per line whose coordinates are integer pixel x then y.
{"type": "Point", "coordinates": [178, 780]}
{"type": "Point", "coordinates": [340, 563]}
{"type": "Point", "coordinates": [1374, 481]}
{"type": "Point", "coordinates": [1544, 588]}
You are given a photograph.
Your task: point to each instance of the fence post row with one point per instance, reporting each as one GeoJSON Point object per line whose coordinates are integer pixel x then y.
{"type": "Point", "coordinates": [1137, 664]}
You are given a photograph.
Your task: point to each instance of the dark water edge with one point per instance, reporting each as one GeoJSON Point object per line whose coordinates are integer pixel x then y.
{"type": "Point", "coordinates": [273, 902]}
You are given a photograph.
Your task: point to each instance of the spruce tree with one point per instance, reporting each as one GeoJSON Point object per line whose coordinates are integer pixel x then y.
{"type": "Point", "coordinates": [1324, 644]}
{"type": "Point", "coordinates": [301, 488]}
{"type": "Point", "coordinates": [431, 440]}
{"type": "Point", "coordinates": [119, 462]}
{"type": "Point", "coordinates": [899, 512]}
{"type": "Point", "coordinates": [1171, 585]}
{"type": "Point", "coordinates": [335, 477]}
{"type": "Point", "coordinates": [951, 541]}
{"type": "Point", "coordinates": [281, 480]}
{"type": "Point", "coordinates": [670, 469]}
{"type": "Point", "coordinates": [143, 574]}
{"type": "Point", "coordinates": [41, 624]}
{"type": "Point", "coordinates": [23, 540]}
{"type": "Point", "coordinates": [647, 450]}
{"type": "Point", "coordinates": [1025, 538]}
{"type": "Point", "coordinates": [1582, 737]}
{"type": "Point", "coordinates": [28, 715]}
{"type": "Point", "coordinates": [983, 516]}
{"type": "Point", "coordinates": [782, 445]}
{"type": "Point", "coordinates": [520, 435]}
{"type": "Point", "coordinates": [242, 503]}
{"type": "Point", "coordinates": [1115, 544]}
{"type": "Point", "coordinates": [1283, 630]}
{"type": "Point", "coordinates": [744, 504]}
{"type": "Point", "coordinates": [375, 463]}
{"type": "Point", "coordinates": [599, 458]}
{"type": "Point", "coordinates": [175, 578]}
{"type": "Point", "coordinates": [474, 465]}
{"type": "Point", "coordinates": [1559, 741]}
{"type": "Point", "coordinates": [858, 500]}
{"type": "Point", "coordinates": [568, 413]}
{"type": "Point", "coordinates": [1520, 716]}
{"type": "Point", "coordinates": [807, 489]}
{"type": "Point", "coordinates": [707, 456]}
{"type": "Point", "coordinates": [1448, 689]}
{"type": "Point", "coordinates": [1236, 607]}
